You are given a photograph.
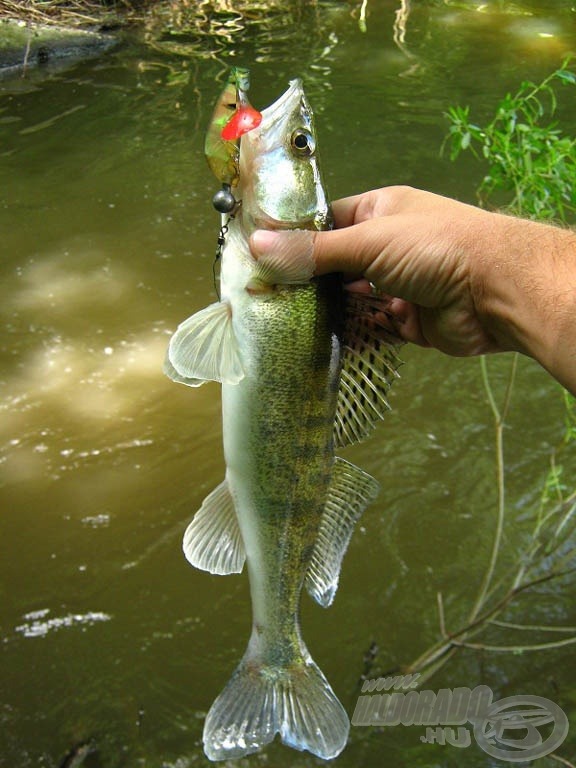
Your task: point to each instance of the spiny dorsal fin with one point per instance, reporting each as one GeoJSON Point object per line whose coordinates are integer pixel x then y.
{"type": "Point", "coordinates": [212, 541]}
{"type": "Point", "coordinates": [370, 365]}
{"type": "Point", "coordinates": [204, 348]}
{"type": "Point", "coordinates": [351, 490]}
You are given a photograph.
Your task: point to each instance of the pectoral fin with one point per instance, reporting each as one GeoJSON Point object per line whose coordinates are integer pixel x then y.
{"type": "Point", "coordinates": [212, 541]}
{"type": "Point", "coordinates": [370, 365]}
{"type": "Point", "coordinates": [204, 348]}
{"type": "Point", "coordinates": [173, 374]}
{"type": "Point", "coordinates": [350, 492]}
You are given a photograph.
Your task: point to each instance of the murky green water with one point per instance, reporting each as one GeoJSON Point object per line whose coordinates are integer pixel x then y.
{"type": "Point", "coordinates": [108, 237]}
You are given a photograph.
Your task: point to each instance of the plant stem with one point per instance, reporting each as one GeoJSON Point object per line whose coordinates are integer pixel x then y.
{"type": "Point", "coordinates": [499, 422]}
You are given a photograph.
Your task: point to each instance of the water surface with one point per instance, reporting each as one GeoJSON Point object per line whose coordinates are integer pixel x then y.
{"type": "Point", "coordinates": [108, 240]}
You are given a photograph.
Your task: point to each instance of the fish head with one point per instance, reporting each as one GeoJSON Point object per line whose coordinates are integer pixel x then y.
{"type": "Point", "coordinates": [280, 181]}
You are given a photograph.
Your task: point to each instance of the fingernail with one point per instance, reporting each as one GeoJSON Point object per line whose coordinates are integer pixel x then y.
{"type": "Point", "coordinates": [263, 241]}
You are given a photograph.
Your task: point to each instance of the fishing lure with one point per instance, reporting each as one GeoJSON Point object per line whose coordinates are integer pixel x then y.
{"type": "Point", "coordinates": [233, 116]}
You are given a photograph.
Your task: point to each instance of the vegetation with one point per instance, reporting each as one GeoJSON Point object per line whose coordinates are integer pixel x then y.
{"type": "Point", "coordinates": [526, 154]}
{"type": "Point", "coordinates": [535, 165]}
{"type": "Point", "coordinates": [187, 13]}
{"type": "Point", "coordinates": [72, 12]}
{"type": "Point", "coordinates": [549, 555]}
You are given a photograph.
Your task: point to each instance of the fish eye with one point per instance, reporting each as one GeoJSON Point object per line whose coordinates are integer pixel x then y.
{"type": "Point", "coordinates": [302, 142]}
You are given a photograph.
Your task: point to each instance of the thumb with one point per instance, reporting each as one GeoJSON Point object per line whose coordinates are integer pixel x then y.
{"type": "Point", "coordinates": [297, 255]}
{"type": "Point", "coordinates": [284, 257]}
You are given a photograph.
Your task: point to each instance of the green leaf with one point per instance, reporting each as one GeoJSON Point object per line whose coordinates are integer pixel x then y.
{"type": "Point", "coordinates": [566, 76]}
{"type": "Point", "coordinates": [534, 162]}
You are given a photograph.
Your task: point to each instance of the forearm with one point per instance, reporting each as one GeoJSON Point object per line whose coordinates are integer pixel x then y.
{"type": "Point", "coordinates": [526, 292]}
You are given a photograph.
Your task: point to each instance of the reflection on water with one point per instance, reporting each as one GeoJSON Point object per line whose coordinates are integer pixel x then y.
{"type": "Point", "coordinates": [39, 623]}
{"type": "Point", "coordinates": [269, 30]}
{"type": "Point", "coordinates": [109, 237]}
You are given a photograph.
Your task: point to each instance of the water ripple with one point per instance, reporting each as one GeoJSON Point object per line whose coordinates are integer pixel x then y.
{"type": "Point", "coordinates": [38, 625]}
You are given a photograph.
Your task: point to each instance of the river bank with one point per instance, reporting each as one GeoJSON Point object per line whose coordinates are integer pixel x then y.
{"type": "Point", "coordinates": [85, 14]}
{"type": "Point", "coordinates": [53, 33]}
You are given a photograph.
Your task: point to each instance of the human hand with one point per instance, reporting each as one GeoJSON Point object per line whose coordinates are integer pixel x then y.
{"type": "Point", "coordinates": [418, 248]}
{"type": "Point", "coordinates": [461, 279]}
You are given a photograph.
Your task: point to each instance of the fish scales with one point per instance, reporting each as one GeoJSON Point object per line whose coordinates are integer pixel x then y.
{"type": "Point", "coordinates": [303, 370]}
{"type": "Point", "coordinates": [279, 456]}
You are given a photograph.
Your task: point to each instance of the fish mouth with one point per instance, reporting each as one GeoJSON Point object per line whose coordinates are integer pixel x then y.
{"type": "Point", "coordinates": [277, 109]}
{"type": "Point", "coordinates": [282, 187]}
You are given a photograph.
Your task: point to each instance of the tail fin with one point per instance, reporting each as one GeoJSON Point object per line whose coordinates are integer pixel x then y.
{"type": "Point", "coordinates": [260, 701]}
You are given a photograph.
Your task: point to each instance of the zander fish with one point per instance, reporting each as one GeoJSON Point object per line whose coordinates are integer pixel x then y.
{"type": "Point", "coordinates": [304, 368]}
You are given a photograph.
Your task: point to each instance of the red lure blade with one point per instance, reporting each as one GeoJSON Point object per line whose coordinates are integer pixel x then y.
{"type": "Point", "coordinates": [245, 119]}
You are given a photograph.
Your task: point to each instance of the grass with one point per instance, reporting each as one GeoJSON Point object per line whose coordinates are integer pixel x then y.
{"type": "Point", "coordinates": [73, 12]}
{"type": "Point", "coordinates": [207, 18]}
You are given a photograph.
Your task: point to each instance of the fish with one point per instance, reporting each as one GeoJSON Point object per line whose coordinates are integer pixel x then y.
{"type": "Point", "coordinates": [232, 117]}
{"type": "Point", "coordinates": [305, 368]}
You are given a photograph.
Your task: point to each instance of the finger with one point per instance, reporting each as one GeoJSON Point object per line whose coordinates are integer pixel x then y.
{"type": "Point", "coordinates": [383, 202]}
{"type": "Point", "coordinates": [357, 284]}
{"type": "Point", "coordinates": [345, 211]}
{"type": "Point", "coordinates": [400, 317]}
{"type": "Point", "coordinates": [283, 257]}
{"type": "Point", "coordinates": [354, 248]}
{"type": "Point", "coordinates": [368, 205]}
{"type": "Point", "coordinates": [406, 320]}
{"type": "Point", "coordinates": [298, 254]}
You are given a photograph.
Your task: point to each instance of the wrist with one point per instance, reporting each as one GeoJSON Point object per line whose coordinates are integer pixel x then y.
{"type": "Point", "coordinates": [526, 291]}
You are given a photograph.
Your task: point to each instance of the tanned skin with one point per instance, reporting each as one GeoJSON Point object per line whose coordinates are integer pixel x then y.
{"type": "Point", "coordinates": [460, 279]}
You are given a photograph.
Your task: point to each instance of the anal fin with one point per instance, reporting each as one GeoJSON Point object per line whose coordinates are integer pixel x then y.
{"type": "Point", "coordinates": [350, 492]}
{"type": "Point", "coordinates": [212, 541]}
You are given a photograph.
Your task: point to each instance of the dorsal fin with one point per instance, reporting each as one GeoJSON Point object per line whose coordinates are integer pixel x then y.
{"type": "Point", "coordinates": [351, 490]}
{"type": "Point", "coordinates": [370, 365]}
